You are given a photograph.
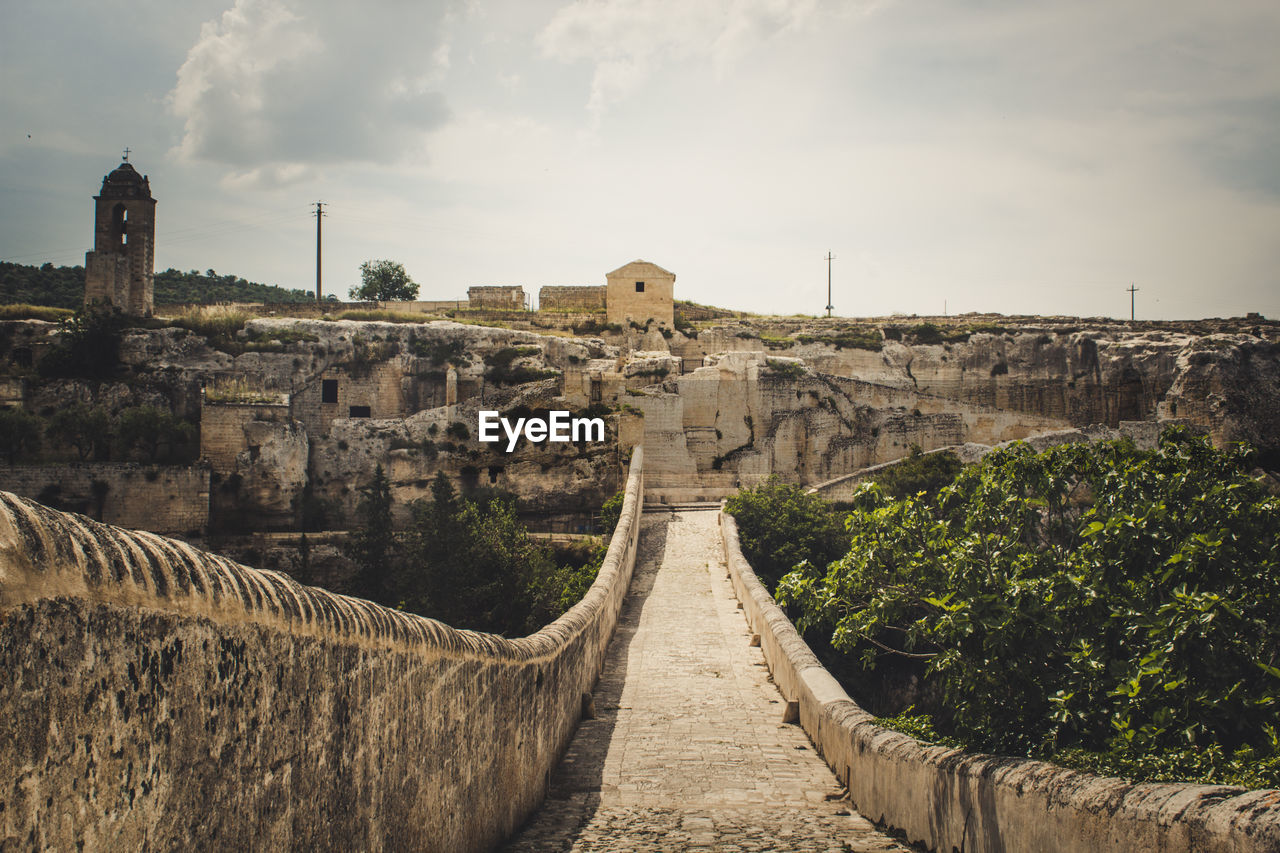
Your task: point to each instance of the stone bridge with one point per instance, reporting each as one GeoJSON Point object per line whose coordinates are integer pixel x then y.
{"type": "Point", "coordinates": [157, 697]}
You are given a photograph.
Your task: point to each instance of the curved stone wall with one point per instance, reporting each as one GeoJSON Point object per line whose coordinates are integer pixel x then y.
{"type": "Point", "coordinates": [952, 800]}
{"type": "Point", "coordinates": [159, 697]}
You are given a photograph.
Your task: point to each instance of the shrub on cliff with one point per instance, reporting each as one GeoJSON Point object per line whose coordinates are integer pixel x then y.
{"type": "Point", "coordinates": [1091, 597]}
{"type": "Point", "coordinates": [781, 526]}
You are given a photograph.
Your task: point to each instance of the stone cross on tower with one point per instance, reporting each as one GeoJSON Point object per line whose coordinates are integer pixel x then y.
{"type": "Point", "coordinates": [120, 271]}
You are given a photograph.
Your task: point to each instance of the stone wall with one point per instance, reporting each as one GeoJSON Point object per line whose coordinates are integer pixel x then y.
{"type": "Point", "coordinates": [222, 429]}
{"type": "Point", "coordinates": [159, 498]}
{"type": "Point", "coordinates": [587, 298]}
{"type": "Point", "coordinates": [157, 697]}
{"type": "Point", "coordinates": [499, 296]}
{"type": "Point", "coordinates": [946, 799]}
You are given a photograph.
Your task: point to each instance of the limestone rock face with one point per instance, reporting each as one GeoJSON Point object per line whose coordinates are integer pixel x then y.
{"type": "Point", "coordinates": [1231, 386]}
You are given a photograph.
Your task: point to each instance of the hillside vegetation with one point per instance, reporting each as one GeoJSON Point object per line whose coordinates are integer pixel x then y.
{"type": "Point", "coordinates": [63, 287]}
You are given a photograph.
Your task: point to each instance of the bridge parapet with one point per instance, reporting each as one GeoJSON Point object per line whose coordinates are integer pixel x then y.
{"type": "Point", "coordinates": [160, 697]}
{"type": "Point", "coordinates": [952, 800]}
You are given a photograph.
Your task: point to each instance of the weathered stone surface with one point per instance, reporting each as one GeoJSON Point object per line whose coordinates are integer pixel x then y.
{"type": "Point", "coordinates": [161, 698]}
{"type": "Point", "coordinates": [688, 751]}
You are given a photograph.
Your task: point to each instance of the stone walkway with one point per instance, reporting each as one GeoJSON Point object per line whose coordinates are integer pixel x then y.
{"type": "Point", "coordinates": [688, 751]}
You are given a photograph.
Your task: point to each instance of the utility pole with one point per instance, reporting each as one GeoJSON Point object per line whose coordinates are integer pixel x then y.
{"type": "Point", "coordinates": [830, 258]}
{"type": "Point", "coordinates": [319, 215]}
{"type": "Point", "coordinates": [1132, 290]}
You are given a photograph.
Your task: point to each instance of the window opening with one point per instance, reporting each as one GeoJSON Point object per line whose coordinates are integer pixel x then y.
{"type": "Point", "coordinates": [328, 391]}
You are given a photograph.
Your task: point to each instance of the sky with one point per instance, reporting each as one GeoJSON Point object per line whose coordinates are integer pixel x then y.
{"type": "Point", "coordinates": [952, 155]}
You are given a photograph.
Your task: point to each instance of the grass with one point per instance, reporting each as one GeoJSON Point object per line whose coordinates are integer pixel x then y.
{"type": "Point", "coordinates": [238, 390]}
{"type": "Point", "coordinates": [218, 323]}
{"type": "Point", "coordinates": [24, 311]}
{"type": "Point", "coordinates": [370, 315]}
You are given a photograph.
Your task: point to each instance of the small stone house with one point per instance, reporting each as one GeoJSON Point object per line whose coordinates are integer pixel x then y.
{"type": "Point", "coordinates": [638, 292]}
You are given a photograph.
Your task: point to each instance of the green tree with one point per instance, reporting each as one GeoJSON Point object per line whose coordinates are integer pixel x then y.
{"type": "Point", "coordinates": [780, 526]}
{"type": "Point", "coordinates": [89, 346]}
{"type": "Point", "coordinates": [1091, 596]}
{"type": "Point", "coordinates": [86, 428]}
{"type": "Point", "coordinates": [373, 545]}
{"type": "Point", "coordinates": [384, 281]}
{"type": "Point", "coordinates": [19, 433]}
{"type": "Point", "coordinates": [148, 430]}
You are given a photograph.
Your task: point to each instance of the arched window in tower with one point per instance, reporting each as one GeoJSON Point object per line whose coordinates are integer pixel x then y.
{"type": "Point", "coordinates": [119, 217]}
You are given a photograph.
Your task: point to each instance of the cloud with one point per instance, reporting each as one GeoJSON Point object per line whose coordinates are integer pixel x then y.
{"type": "Point", "coordinates": [276, 84]}
{"type": "Point", "coordinates": [630, 39]}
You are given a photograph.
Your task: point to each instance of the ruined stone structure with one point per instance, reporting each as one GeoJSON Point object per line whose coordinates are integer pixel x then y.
{"type": "Point", "coordinates": [503, 297]}
{"type": "Point", "coordinates": [640, 291]}
{"type": "Point", "coordinates": [158, 697]}
{"type": "Point", "coordinates": [120, 270]}
{"type": "Point", "coordinates": [587, 298]}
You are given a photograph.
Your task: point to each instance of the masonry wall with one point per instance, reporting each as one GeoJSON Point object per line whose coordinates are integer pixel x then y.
{"type": "Point", "coordinates": [222, 429]}
{"type": "Point", "coordinates": [159, 498]}
{"type": "Point", "coordinates": [157, 697]}
{"type": "Point", "coordinates": [496, 296]}
{"type": "Point", "coordinates": [588, 298]}
{"type": "Point", "coordinates": [946, 799]}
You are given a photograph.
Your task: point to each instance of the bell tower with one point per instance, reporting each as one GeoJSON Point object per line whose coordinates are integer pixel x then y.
{"type": "Point", "coordinates": [120, 271]}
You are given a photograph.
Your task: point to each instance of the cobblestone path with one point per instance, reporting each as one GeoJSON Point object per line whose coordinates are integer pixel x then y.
{"type": "Point", "coordinates": [688, 751]}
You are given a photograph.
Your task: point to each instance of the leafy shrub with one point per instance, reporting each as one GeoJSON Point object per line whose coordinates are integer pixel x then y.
{"type": "Point", "coordinates": [20, 433]}
{"type": "Point", "coordinates": [780, 526]}
{"type": "Point", "coordinates": [868, 339]}
{"type": "Point", "coordinates": [1091, 597]}
{"type": "Point", "coordinates": [89, 346]}
{"type": "Point", "coordinates": [919, 472]}
{"type": "Point", "coordinates": [784, 369]}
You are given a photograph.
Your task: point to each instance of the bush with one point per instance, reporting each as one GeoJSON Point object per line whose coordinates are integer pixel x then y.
{"type": "Point", "coordinates": [20, 433]}
{"type": "Point", "coordinates": [89, 346]}
{"type": "Point", "coordinates": [1095, 598]}
{"type": "Point", "coordinates": [919, 472]}
{"type": "Point", "coordinates": [781, 526]}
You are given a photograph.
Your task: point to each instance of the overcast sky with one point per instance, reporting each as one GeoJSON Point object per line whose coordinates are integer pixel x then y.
{"type": "Point", "coordinates": [990, 155]}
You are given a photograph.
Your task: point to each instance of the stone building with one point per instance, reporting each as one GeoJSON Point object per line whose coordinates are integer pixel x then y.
{"type": "Point", "coordinates": [560, 298]}
{"type": "Point", "coordinates": [640, 291]}
{"type": "Point", "coordinates": [503, 297]}
{"type": "Point", "coordinates": [120, 271]}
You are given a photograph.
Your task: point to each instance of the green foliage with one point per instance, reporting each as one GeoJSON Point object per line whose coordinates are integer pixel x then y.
{"type": "Point", "coordinates": [384, 281]}
{"type": "Point", "coordinates": [458, 430]}
{"type": "Point", "coordinates": [594, 326]}
{"type": "Point", "coordinates": [441, 352]}
{"type": "Point", "coordinates": [88, 429]}
{"type": "Point", "coordinates": [19, 433]}
{"type": "Point", "coordinates": [929, 333]}
{"type": "Point", "coordinates": [89, 346]}
{"type": "Point", "coordinates": [1093, 597]}
{"type": "Point", "coordinates": [218, 323]}
{"type": "Point", "coordinates": [781, 526]}
{"type": "Point", "coordinates": [467, 561]}
{"type": "Point", "coordinates": [63, 287]}
{"type": "Point", "coordinates": [868, 339]}
{"type": "Point", "coordinates": [373, 544]}
{"type": "Point", "coordinates": [784, 369]}
{"type": "Point", "coordinates": [501, 370]}
{"type": "Point", "coordinates": [176, 287]}
{"type": "Point", "coordinates": [151, 433]}
{"type": "Point", "coordinates": [919, 472]}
